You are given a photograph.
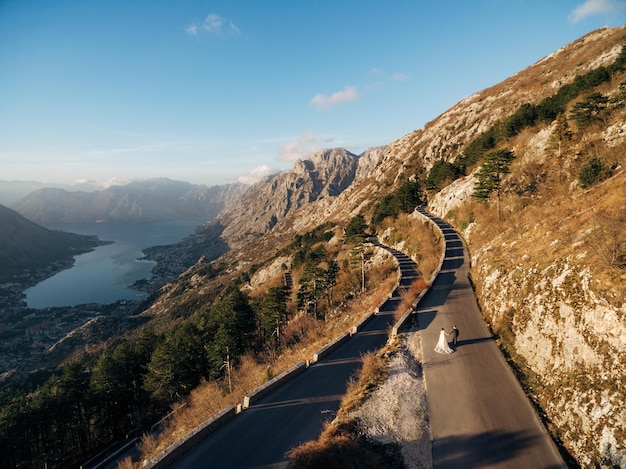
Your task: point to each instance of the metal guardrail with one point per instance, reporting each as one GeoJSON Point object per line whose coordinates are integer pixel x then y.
{"type": "Point", "coordinates": [174, 451]}
{"type": "Point", "coordinates": [405, 317]}
{"type": "Point", "coordinates": [272, 384]}
{"type": "Point", "coordinates": [177, 449]}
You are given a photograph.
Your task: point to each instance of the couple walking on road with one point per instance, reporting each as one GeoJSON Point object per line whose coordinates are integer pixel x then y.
{"type": "Point", "coordinates": [442, 345]}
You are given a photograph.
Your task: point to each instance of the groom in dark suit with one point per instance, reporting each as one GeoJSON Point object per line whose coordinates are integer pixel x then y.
{"type": "Point", "coordinates": [455, 335]}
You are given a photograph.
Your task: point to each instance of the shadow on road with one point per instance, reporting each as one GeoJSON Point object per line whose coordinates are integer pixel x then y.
{"type": "Point", "coordinates": [444, 280]}
{"type": "Point", "coordinates": [461, 343]}
{"type": "Point", "coordinates": [504, 446]}
{"type": "Point", "coordinates": [453, 251]}
{"type": "Point", "coordinates": [425, 318]}
{"type": "Point", "coordinates": [452, 263]}
{"type": "Point", "coordinates": [440, 289]}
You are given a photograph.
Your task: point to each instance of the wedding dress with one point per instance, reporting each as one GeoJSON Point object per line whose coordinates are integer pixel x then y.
{"type": "Point", "coordinates": [442, 346]}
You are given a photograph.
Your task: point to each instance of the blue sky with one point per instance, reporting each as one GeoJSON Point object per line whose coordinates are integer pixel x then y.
{"type": "Point", "coordinates": [213, 92]}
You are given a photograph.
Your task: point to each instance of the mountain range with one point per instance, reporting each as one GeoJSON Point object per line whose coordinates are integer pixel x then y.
{"type": "Point", "coordinates": [12, 191]}
{"type": "Point", "coordinates": [547, 251]}
{"type": "Point", "coordinates": [140, 201]}
{"type": "Point", "coordinates": [530, 172]}
{"type": "Point", "coordinates": [322, 177]}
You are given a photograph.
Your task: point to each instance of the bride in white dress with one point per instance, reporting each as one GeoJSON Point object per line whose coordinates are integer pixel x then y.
{"type": "Point", "coordinates": [442, 345]}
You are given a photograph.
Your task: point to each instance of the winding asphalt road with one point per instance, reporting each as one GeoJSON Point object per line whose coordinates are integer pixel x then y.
{"type": "Point", "coordinates": [261, 435]}
{"type": "Point", "coordinates": [479, 414]}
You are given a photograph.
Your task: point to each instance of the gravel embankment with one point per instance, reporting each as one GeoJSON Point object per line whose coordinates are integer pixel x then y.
{"type": "Point", "coordinates": [397, 411]}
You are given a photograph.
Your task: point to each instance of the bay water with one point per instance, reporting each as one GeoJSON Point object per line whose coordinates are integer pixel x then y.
{"type": "Point", "coordinates": [105, 274]}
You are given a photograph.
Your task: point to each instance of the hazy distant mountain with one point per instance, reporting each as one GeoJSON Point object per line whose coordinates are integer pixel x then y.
{"type": "Point", "coordinates": [152, 200]}
{"type": "Point", "coordinates": [547, 248]}
{"type": "Point", "coordinates": [12, 191]}
{"type": "Point", "coordinates": [26, 247]}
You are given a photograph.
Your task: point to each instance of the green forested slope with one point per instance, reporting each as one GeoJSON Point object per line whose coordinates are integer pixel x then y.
{"type": "Point", "coordinates": [26, 247]}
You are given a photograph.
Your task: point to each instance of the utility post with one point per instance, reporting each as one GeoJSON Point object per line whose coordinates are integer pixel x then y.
{"type": "Point", "coordinates": [277, 331]}
{"type": "Point", "coordinates": [362, 269]}
{"type": "Point", "coordinates": [227, 366]}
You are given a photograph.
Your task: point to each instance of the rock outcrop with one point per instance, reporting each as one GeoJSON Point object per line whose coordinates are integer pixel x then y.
{"type": "Point", "coordinates": [557, 309]}
{"type": "Point", "coordinates": [319, 180]}
{"type": "Point", "coordinates": [561, 324]}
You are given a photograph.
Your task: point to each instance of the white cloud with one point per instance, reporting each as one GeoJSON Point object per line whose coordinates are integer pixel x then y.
{"type": "Point", "coordinates": [379, 73]}
{"type": "Point", "coordinates": [257, 174]}
{"type": "Point", "coordinates": [302, 148]}
{"type": "Point", "coordinates": [215, 25]}
{"type": "Point", "coordinates": [294, 151]}
{"type": "Point", "coordinates": [594, 7]}
{"type": "Point", "coordinates": [400, 77]}
{"type": "Point", "coordinates": [379, 85]}
{"type": "Point", "coordinates": [116, 181]}
{"type": "Point", "coordinates": [322, 101]}
{"type": "Point", "coordinates": [350, 93]}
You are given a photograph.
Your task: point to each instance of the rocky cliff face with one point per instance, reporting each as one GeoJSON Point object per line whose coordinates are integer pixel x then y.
{"type": "Point", "coordinates": [557, 308]}
{"type": "Point", "coordinates": [320, 180]}
{"type": "Point", "coordinates": [566, 325]}
{"type": "Point", "coordinates": [543, 276]}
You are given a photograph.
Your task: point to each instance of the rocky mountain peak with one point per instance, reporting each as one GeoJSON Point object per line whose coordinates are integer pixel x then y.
{"type": "Point", "coordinates": [324, 175]}
{"type": "Point", "coordinates": [446, 136]}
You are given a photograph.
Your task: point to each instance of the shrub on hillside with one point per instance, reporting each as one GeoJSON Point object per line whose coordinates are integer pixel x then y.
{"type": "Point", "coordinates": [442, 172]}
{"type": "Point", "coordinates": [403, 200]}
{"type": "Point", "coordinates": [592, 171]}
{"type": "Point", "coordinates": [341, 446]}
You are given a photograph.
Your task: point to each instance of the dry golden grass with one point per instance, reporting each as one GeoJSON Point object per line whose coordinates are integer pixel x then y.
{"type": "Point", "coordinates": [303, 336]}
{"type": "Point", "coordinates": [408, 297]}
{"type": "Point", "coordinates": [339, 447]}
{"type": "Point", "coordinates": [126, 463]}
{"type": "Point", "coordinates": [262, 289]}
{"type": "Point", "coordinates": [149, 444]}
{"type": "Point", "coordinates": [372, 372]}
{"type": "Point", "coordinates": [585, 225]}
{"type": "Point", "coordinates": [341, 444]}
{"type": "Point", "coordinates": [418, 238]}
{"type": "Point", "coordinates": [558, 221]}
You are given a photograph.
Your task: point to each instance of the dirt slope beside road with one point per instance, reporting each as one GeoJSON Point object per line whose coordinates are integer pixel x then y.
{"type": "Point", "coordinates": [397, 412]}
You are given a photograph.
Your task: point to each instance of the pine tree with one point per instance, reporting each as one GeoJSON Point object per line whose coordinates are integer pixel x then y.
{"type": "Point", "coordinates": [329, 280]}
{"type": "Point", "coordinates": [355, 231]}
{"type": "Point", "coordinates": [272, 312]}
{"type": "Point", "coordinates": [310, 289]}
{"type": "Point", "coordinates": [590, 110]}
{"type": "Point", "coordinates": [561, 140]}
{"type": "Point", "coordinates": [489, 176]}
{"type": "Point", "coordinates": [177, 364]}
